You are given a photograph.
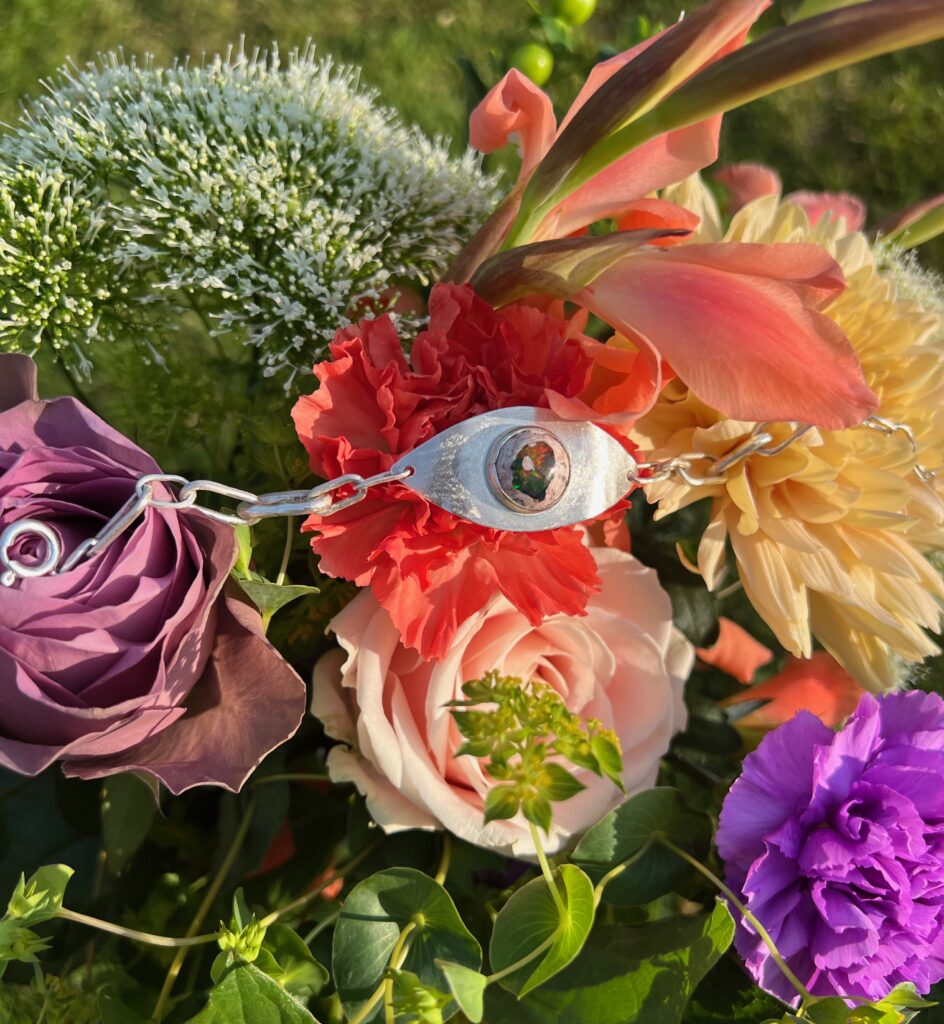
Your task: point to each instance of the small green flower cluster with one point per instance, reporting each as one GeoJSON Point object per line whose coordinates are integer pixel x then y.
{"type": "Point", "coordinates": [521, 727]}
{"type": "Point", "coordinates": [277, 199]}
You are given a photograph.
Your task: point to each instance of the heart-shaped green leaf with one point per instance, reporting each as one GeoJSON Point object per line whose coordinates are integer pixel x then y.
{"type": "Point", "coordinates": [531, 919]}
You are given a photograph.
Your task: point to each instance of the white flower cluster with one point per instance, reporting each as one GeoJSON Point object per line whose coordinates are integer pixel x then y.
{"type": "Point", "coordinates": [278, 199]}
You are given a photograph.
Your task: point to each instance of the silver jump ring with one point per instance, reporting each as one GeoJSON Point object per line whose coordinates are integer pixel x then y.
{"type": "Point", "coordinates": [13, 569]}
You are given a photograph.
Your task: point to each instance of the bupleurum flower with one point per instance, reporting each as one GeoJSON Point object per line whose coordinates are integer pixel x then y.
{"type": "Point", "coordinates": [279, 198]}
{"type": "Point", "coordinates": [835, 843]}
{"type": "Point", "coordinates": [831, 535]}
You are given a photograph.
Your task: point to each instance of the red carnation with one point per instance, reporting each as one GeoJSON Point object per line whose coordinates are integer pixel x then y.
{"type": "Point", "coordinates": [429, 569]}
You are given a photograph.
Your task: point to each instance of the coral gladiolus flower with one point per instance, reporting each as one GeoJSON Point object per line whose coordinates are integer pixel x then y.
{"type": "Point", "coordinates": [817, 684]}
{"type": "Point", "coordinates": [830, 534]}
{"type": "Point", "coordinates": [429, 569]}
{"type": "Point", "coordinates": [517, 108]}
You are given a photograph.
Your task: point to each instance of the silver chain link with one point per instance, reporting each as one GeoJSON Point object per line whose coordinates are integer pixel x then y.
{"type": "Point", "coordinates": [251, 509]}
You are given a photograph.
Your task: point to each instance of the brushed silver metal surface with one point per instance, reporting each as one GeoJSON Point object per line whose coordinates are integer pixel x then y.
{"type": "Point", "coordinates": [452, 470]}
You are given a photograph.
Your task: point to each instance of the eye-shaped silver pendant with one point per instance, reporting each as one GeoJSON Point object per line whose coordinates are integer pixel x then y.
{"type": "Point", "coordinates": [520, 469]}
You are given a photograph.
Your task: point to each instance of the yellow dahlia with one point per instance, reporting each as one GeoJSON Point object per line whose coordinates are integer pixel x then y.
{"type": "Point", "coordinates": [830, 535]}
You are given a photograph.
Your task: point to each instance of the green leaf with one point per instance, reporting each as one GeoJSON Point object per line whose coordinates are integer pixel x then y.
{"type": "Point", "coordinates": [626, 974]}
{"type": "Point", "coordinates": [695, 612]}
{"type": "Point", "coordinates": [114, 1011]}
{"type": "Point", "coordinates": [810, 8]}
{"type": "Point", "coordinates": [291, 963]}
{"type": "Point", "coordinates": [467, 987]}
{"type": "Point", "coordinates": [609, 759]}
{"type": "Point", "coordinates": [560, 784]}
{"type": "Point", "coordinates": [501, 802]}
{"type": "Point", "coordinates": [270, 597]}
{"type": "Point", "coordinates": [39, 899]}
{"type": "Point", "coordinates": [728, 996]}
{"type": "Point", "coordinates": [531, 918]}
{"type": "Point", "coordinates": [632, 830]}
{"type": "Point", "coordinates": [247, 996]}
{"type": "Point", "coordinates": [537, 810]}
{"type": "Point", "coordinates": [784, 57]}
{"type": "Point", "coordinates": [128, 809]}
{"type": "Point", "coordinates": [373, 915]}
{"type": "Point", "coordinates": [918, 224]}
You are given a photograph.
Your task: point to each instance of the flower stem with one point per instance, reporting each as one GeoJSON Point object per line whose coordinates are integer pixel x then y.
{"type": "Point", "coordinates": [618, 870]}
{"type": "Point", "coordinates": [443, 868]}
{"type": "Point", "coordinates": [745, 913]}
{"type": "Point", "coordinates": [287, 552]}
{"type": "Point", "coordinates": [208, 900]}
{"type": "Point", "coordinates": [524, 961]}
{"type": "Point", "coordinates": [167, 941]}
{"type": "Point", "coordinates": [397, 956]}
{"type": "Point", "coordinates": [546, 869]}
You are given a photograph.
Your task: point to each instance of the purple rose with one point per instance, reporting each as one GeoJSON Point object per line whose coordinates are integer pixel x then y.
{"type": "Point", "coordinates": [836, 843]}
{"type": "Point", "coordinates": [144, 657]}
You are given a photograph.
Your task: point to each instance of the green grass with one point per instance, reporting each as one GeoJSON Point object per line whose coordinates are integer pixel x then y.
{"type": "Point", "coordinates": [874, 130]}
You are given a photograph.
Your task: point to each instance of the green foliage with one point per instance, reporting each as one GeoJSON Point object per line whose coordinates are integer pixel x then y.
{"type": "Point", "coordinates": [625, 974]}
{"type": "Point", "coordinates": [630, 836]}
{"type": "Point", "coordinates": [40, 898]}
{"type": "Point", "coordinates": [128, 809]}
{"type": "Point", "coordinates": [372, 919]}
{"type": "Point", "coordinates": [519, 728]}
{"type": "Point", "coordinates": [248, 996]}
{"type": "Point", "coordinates": [532, 920]}
{"type": "Point", "coordinates": [467, 988]}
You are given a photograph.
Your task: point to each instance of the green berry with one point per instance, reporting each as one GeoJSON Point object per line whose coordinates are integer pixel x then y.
{"type": "Point", "coordinates": [535, 61]}
{"type": "Point", "coordinates": [575, 12]}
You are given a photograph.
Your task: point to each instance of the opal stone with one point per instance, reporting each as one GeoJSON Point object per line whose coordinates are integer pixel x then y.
{"type": "Point", "coordinates": [532, 469]}
{"type": "Point", "coordinates": [529, 469]}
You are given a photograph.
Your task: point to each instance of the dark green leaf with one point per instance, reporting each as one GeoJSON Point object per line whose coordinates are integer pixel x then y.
{"type": "Point", "coordinates": [537, 810]}
{"type": "Point", "coordinates": [128, 809]}
{"type": "Point", "coordinates": [728, 995]}
{"type": "Point", "coordinates": [695, 612]}
{"type": "Point", "coordinates": [531, 918]}
{"type": "Point", "coordinates": [636, 826]}
{"type": "Point", "coordinates": [247, 996]}
{"type": "Point", "coordinates": [467, 987]}
{"type": "Point", "coordinates": [626, 974]}
{"type": "Point", "coordinates": [114, 1011]}
{"type": "Point", "coordinates": [370, 923]}
{"type": "Point", "coordinates": [270, 597]}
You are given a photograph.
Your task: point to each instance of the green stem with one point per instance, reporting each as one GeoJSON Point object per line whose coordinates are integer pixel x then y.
{"type": "Point", "coordinates": [444, 861]}
{"type": "Point", "coordinates": [208, 900]}
{"type": "Point", "coordinates": [618, 870]}
{"type": "Point", "coordinates": [321, 926]}
{"type": "Point", "coordinates": [745, 913]}
{"type": "Point", "coordinates": [287, 552]}
{"type": "Point", "coordinates": [546, 869]}
{"type": "Point", "coordinates": [167, 941]}
{"type": "Point", "coordinates": [397, 956]}
{"type": "Point", "coordinates": [524, 961]}
{"type": "Point", "coordinates": [290, 908]}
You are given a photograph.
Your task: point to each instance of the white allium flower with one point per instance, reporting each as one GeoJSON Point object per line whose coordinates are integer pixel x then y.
{"type": "Point", "coordinates": [274, 197]}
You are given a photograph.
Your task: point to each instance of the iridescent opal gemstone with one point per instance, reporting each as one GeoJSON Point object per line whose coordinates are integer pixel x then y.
{"type": "Point", "coordinates": [533, 470]}
{"type": "Point", "coordinates": [529, 469]}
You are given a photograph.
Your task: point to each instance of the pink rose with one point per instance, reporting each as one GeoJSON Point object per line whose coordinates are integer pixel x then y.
{"type": "Point", "coordinates": [622, 663]}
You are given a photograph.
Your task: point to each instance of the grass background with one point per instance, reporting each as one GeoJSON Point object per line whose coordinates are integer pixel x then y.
{"type": "Point", "coordinates": [875, 129]}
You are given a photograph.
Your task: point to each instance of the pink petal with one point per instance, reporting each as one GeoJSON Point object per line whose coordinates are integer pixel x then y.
{"type": "Point", "coordinates": [516, 106]}
{"type": "Point", "coordinates": [658, 214]}
{"type": "Point", "coordinates": [248, 701]}
{"type": "Point", "coordinates": [734, 324]}
{"type": "Point", "coordinates": [747, 182]}
{"type": "Point", "coordinates": [833, 205]}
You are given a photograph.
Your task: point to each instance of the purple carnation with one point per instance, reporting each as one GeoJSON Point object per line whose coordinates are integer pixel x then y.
{"type": "Point", "coordinates": [144, 657]}
{"type": "Point", "coordinates": [835, 842]}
